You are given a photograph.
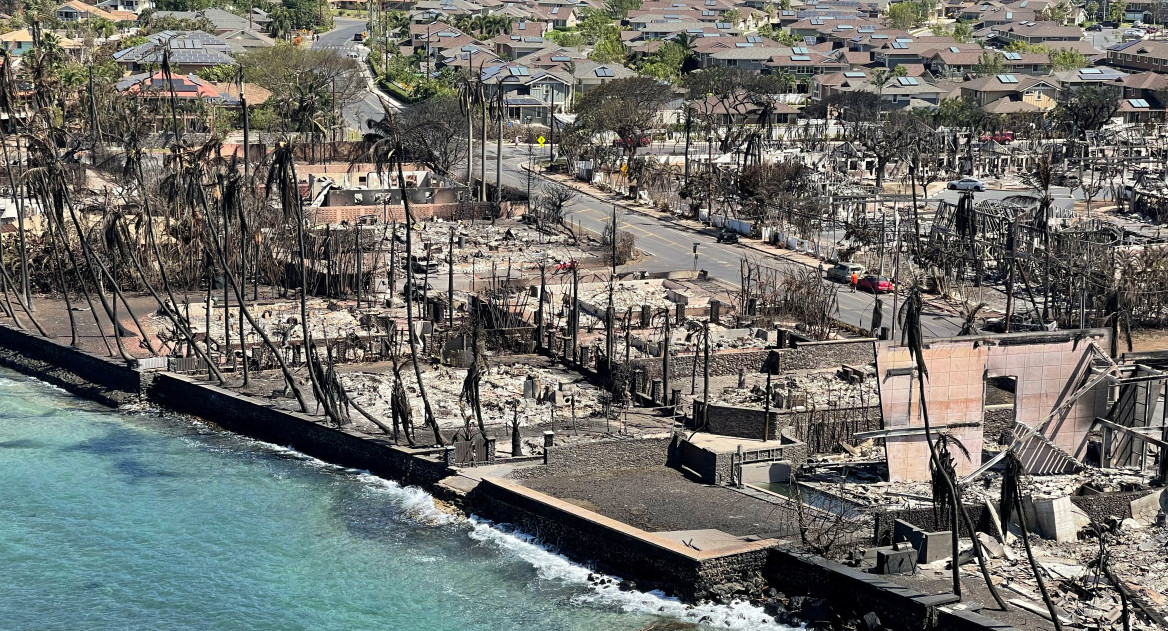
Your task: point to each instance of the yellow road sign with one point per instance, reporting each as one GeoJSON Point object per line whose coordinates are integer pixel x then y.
{"type": "Point", "coordinates": [541, 140]}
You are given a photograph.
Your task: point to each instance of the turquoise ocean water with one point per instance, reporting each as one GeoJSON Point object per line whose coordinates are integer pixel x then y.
{"type": "Point", "coordinates": [140, 520]}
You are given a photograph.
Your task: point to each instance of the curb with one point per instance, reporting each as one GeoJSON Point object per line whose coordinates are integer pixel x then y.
{"type": "Point", "coordinates": [946, 308]}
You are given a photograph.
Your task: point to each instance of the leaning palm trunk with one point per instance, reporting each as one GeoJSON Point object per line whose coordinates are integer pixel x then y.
{"type": "Point", "coordinates": [57, 222]}
{"type": "Point", "coordinates": [430, 420]}
{"type": "Point", "coordinates": [913, 339]}
{"type": "Point", "coordinates": [98, 266]}
{"type": "Point", "coordinates": [283, 176]}
{"type": "Point", "coordinates": [289, 380]}
{"type": "Point", "coordinates": [1012, 502]}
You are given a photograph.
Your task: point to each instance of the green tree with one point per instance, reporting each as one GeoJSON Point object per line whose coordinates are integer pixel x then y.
{"type": "Point", "coordinates": [1116, 10]}
{"type": "Point", "coordinates": [1088, 107]}
{"type": "Point", "coordinates": [990, 63]}
{"type": "Point", "coordinates": [907, 14]}
{"type": "Point", "coordinates": [619, 9]}
{"type": "Point", "coordinates": [626, 107]}
{"type": "Point", "coordinates": [569, 39]}
{"type": "Point", "coordinates": [609, 49]}
{"type": "Point", "coordinates": [1068, 60]}
{"type": "Point", "coordinates": [593, 24]}
{"type": "Point", "coordinates": [666, 63]}
{"type": "Point", "coordinates": [963, 32]}
{"type": "Point", "coordinates": [733, 16]}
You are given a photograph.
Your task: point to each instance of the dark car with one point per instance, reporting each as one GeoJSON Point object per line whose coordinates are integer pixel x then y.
{"type": "Point", "coordinates": [727, 236]}
{"type": "Point", "coordinates": [1095, 28]}
{"type": "Point", "coordinates": [1110, 24]}
{"type": "Point", "coordinates": [874, 284]}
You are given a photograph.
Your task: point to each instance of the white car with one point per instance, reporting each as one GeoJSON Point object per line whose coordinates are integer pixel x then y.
{"type": "Point", "coordinates": [966, 184]}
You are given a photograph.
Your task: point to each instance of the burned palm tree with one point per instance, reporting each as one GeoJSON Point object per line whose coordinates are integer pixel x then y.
{"type": "Point", "coordinates": [474, 376]}
{"type": "Point", "coordinates": [384, 147]}
{"type": "Point", "coordinates": [940, 462]}
{"type": "Point", "coordinates": [1011, 504]}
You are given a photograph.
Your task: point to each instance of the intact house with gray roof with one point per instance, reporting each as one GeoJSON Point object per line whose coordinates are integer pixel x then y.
{"type": "Point", "coordinates": [190, 51]}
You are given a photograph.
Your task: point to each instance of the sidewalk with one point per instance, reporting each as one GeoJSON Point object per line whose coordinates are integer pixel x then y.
{"type": "Point", "coordinates": [692, 225]}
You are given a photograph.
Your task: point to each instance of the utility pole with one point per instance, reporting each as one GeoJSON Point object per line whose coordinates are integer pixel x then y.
{"type": "Point", "coordinates": [612, 238]}
{"type": "Point", "coordinates": [499, 162]}
{"type": "Point", "coordinates": [575, 311]}
{"type": "Point", "coordinates": [450, 283]}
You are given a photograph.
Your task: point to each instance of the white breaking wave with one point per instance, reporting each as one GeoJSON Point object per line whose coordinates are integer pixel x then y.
{"type": "Point", "coordinates": [418, 505]}
{"type": "Point", "coordinates": [551, 566]}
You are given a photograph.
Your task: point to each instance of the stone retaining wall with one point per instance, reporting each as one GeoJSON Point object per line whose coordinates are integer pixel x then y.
{"type": "Point", "coordinates": [923, 518]}
{"type": "Point", "coordinates": [607, 455]}
{"type": "Point", "coordinates": [651, 561]}
{"type": "Point", "coordinates": [820, 429]}
{"type": "Point", "coordinates": [106, 381]}
{"type": "Point", "coordinates": [252, 417]}
{"type": "Point", "coordinates": [854, 593]}
{"type": "Point", "coordinates": [1101, 506]}
{"type": "Point", "coordinates": [805, 356]}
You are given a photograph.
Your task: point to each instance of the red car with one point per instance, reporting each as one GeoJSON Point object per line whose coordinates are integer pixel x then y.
{"type": "Point", "coordinates": [874, 284]}
{"type": "Point", "coordinates": [1002, 137]}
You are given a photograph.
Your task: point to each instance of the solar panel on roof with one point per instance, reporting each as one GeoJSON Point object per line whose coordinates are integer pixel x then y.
{"type": "Point", "coordinates": [1007, 78]}
{"type": "Point", "coordinates": [879, 36]}
{"type": "Point", "coordinates": [555, 10]}
{"type": "Point", "coordinates": [603, 72]}
{"type": "Point", "coordinates": [722, 25]}
{"type": "Point", "coordinates": [854, 75]}
{"type": "Point", "coordinates": [1013, 56]}
{"type": "Point", "coordinates": [709, 14]}
{"type": "Point", "coordinates": [532, 40]}
{"type": "Point", "coordinates": [1138, 103]}
{"type": "Point", "coordinates": [907, 81]}
{"type": "Point", "coordinates": [904, 39]}
{"type": "Point", "coordinates": [900, 45]}
{"type": "Point", "coordinates": [954, 49]}
{"type": "Point", "coordinates": [754, 39]}
{"type": "Point", "coordinates": [799, 50]}
{"type": "Point", "coordinates": [519, 71]}
{"type": "Point", "coordinates": [561, 58]}
{"type": "Point", "coordinates": [1090, 71]}
{"type": "Point", "coordinates": [693, 30]}
{"type": "Point", "coordinates": [800, 58]}
{"type": "Point", "coordinates": [743, 45]}
{"type": "Point", "coordinates": [1009, 15]}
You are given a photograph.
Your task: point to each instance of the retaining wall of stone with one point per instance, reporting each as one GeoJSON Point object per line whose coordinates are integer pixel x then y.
{"type": "Point", "coordinates": [252, 417]}
{"type": "Point", "coordinates": [106, 381]}
{"type": "Point", "coordinates": [651, 561]}
{"type": "Point", "coordinates": [607, 455]}
{"type": "Point", "coordinates": [854, 593]}
{"type": "Point", "coordinates": [820, 429]}
{"type": "Point", "coordinates": [1101, 506]}
{"type": "Point", "coordinates": [805, 356]}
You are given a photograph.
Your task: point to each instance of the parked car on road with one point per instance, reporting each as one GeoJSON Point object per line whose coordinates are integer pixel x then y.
{"type": "Point", "coordinates": [727, 236]}
{"type": "Point", "coordinates": [842, 272]}
{"type": "Point", "coordinates": [874, 284]}
{"type": "Point", "coordinates": [1095, 28]}
{"type": "Point", "coordinates": [966, 184]}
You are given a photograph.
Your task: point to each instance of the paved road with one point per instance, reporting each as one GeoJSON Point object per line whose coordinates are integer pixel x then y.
{"type": "Point", "coordinates": [341, 40]}
{"type": "Point", "coordinates": [672, 248]}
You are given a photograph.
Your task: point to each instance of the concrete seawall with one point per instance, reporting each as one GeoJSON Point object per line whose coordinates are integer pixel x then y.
{"type": "Point", "coordinates": [107, 381]}
{"type": "Point", "coordinates": [250, 417]}
{"type": "Point", "coordinates": [652, 561]}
